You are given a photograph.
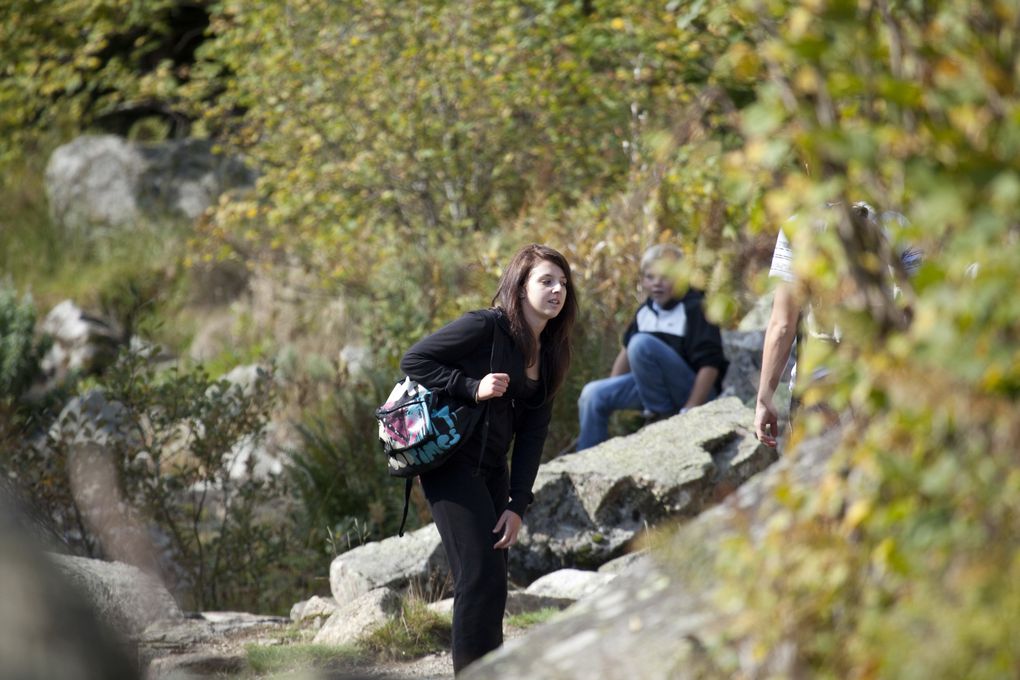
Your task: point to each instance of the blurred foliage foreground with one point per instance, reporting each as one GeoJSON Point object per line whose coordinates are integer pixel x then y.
{"type": "Point", "coordinates": [407, 148]}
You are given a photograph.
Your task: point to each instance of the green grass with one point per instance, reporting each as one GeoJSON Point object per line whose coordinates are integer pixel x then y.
{"type": "Point", "coordinates": [530, 619]}
{"type": "Point", "coordinates": [415, 633]}
{"type": "Point", "coordinates": [279, 660]}
{"type": "Point", "coordinates": [132, 274]}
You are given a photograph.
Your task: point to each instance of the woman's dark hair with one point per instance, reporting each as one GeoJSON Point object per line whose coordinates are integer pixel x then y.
{"type": "Point", "coordinates": [556, 335]}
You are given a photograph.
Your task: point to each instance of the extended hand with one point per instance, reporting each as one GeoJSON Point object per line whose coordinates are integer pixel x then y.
{"type": "Point", "coordinates": [509, 523]}
{"type": "Point", "coordinates": [766, 423]}
{"type": "Point", "coordinates": [493, 385]}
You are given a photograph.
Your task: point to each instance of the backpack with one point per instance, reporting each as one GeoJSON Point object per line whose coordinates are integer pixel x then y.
{"type": "Point", "coordinates": [421, 428]}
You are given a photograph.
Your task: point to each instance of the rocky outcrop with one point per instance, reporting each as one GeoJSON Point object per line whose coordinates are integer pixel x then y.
{"type": "Point", "coordinates": [395, 562]}
{"type": "Point", "coordinates": [125, 597]}
{"type": "Point", "coordinates": [208, 644]}
{"type": "Point", "coordinates": [589, 505]}
{"type": "Point", "coordinates": [47, 628]}
{"type": "Point", "coordinates": [107, 181]}
{"type": "Point", "coordinates": [647, 622]}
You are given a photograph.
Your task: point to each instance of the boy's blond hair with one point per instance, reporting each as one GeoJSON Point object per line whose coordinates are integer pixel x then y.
{"type": "Point", "coordinates": [658, 252]}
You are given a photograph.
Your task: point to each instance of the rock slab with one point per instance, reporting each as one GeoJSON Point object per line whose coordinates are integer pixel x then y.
{"type": "Point", "coordinates": [590, 505]}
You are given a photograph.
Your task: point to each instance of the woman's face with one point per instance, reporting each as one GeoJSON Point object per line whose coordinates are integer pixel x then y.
{"type": "Point", "coordinates": [545, 291]}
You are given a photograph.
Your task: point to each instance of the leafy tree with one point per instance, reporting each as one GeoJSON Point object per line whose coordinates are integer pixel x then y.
{"type": "Point", "coordinates": [896, 568]}
{"type": "Point", "coordinates": [74, 64]}
{"type": "Point", "coordinates": [407, 150]}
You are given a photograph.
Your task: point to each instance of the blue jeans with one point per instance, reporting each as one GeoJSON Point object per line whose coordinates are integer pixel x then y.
{"type": "Point", "coordinates": [659, 381]}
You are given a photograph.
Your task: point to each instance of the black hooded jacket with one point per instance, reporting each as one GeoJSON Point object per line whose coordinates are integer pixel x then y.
{"type": "Point", "coordinates": [455, 359]}
{"type": "Point", "coordinates": [700, 343]}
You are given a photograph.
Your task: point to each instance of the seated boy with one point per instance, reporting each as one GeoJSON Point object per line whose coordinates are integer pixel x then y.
{"type": "Point", "coordinates": [672, 357]}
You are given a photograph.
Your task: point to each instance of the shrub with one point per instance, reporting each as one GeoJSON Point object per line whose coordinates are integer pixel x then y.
{"type": "Point", "coordinates": [20, 352]}
{"type": "Point", "coordinates": [415, 632]}
{"type": "Point", "coordinates": [176, 441]}
{"type": "Point", "coordinates": [339, 473]}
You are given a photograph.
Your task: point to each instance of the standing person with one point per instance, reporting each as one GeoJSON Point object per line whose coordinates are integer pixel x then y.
{"type": "Point", "coordinates": [671, 360]}
{"type": "Point", "coordinates": [476, 501]}
{"type": "Point", "coordinates": [783, 326]}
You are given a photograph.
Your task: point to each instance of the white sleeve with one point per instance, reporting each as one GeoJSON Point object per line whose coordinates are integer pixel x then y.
{"type": "Point", "coordinates": [782, 259]}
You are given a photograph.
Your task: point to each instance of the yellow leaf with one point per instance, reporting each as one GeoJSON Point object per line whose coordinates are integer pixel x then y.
{"type": "Point", "coordinates": [857, 513]}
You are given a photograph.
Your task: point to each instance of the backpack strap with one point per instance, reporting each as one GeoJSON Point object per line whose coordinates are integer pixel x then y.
{"type": "Point", "coordinates": [408, 483]}
{"type": "Point", "coordinates": [496, 334]}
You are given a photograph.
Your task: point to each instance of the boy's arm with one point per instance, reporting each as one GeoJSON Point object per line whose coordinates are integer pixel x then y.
{"type": "Point", "coordinates": [621, 364]}
{"type": "Point", "coordinates": [704, 380]}
{"type": "Point", "coordinates": [779, 336]}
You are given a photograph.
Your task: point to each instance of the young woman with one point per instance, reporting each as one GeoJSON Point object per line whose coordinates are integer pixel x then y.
{"type": "Point", "coordinates": [477, 500]}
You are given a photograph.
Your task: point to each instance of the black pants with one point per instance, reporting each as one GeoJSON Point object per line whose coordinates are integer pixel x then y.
{"type": "Point", "coordinates": [466, 503]}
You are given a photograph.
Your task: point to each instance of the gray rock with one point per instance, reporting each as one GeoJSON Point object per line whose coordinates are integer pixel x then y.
{"type": "Point", "coordinates": [314, 607]}
{"type": "Point", "coordinates": [523, 602]}
{"type": "Point", "coordinates": [94, 180]}
{"type": "Point", "coordinates": [82, 343]}
{"type": "Point", "coordinates": [394, 562]}
{"type": "Point", "coordinates": [757, 318]}
{"type": "Point", "coordinates": [646, 623]}
{"type": "Point", "coordinates": [359, 617]}
{"type": "Point", "coordinates": [47, 627]}
{"type": "Point", "coordinates": [233, 621]}
{"type": "Point", "coordinates": [127, 598]}
{"type": "Point", "coordinates": [195, 665]}
{"type": "Point", "coordinates": [517, 602]}
{"type": "Point", "coordinates": [743, 350]}
{"type": "Point", "coordinates": [624, 563]}
{"type": "Point", "coordinates": [589, 505]}
{"type": "Point", "coordinates": [569, 584]}
{"type": "Point", "coordinates": [444, 607]}
{"type": "Point", "coordinates": [106, 181]}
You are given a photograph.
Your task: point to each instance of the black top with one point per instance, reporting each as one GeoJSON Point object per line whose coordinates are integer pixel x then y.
{"type": "Point", "coordinates": [701, 342]}
{"type": "Point", "coordinates": [455, 358]}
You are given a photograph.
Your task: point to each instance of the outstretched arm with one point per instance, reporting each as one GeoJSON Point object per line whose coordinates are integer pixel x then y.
{"type": "Point", "coordinates": [779, 336]}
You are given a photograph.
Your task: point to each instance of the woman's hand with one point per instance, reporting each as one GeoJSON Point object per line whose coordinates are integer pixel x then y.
{"type": "Point", "coordinates": [492, 386]}
{"type": "Point", "coordinates": [509, 523]}
{"type": "Point", "coordinates": [766, 422]}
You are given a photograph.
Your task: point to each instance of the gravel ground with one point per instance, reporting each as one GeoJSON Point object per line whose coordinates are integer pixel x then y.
{"type": "Point", "coordinates": [432, 667]}
{"type": "Point", "coordinates": [232, 643]}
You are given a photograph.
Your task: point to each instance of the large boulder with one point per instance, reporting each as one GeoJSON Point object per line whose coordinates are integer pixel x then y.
{"type": "Point", "coordinates": [47, 628]}
{"type": "Point", "coordinates": [395, 562]}
{"type": "Point", "coordinates": [590, 505]}
{"type": "Point", "coordinates": [107, 181]}
{"type": "Point", "coordinates": [125, 597]}
{"type": "Point", "coordinates": [650, 621]}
